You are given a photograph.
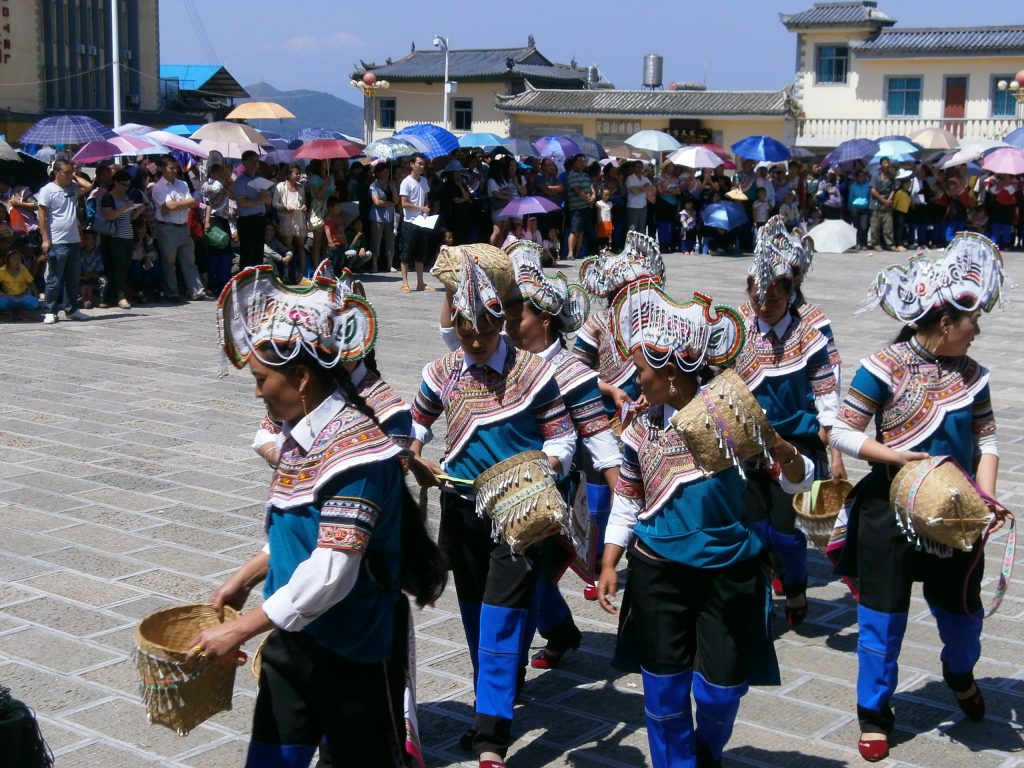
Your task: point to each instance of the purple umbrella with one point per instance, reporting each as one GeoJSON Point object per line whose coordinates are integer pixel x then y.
{"type": "Point", "coordinates": [66, 129]}
{"type": "Point", "coordinates": [554, 146]}
{"type": "Point", "coordinates": [521, 207]}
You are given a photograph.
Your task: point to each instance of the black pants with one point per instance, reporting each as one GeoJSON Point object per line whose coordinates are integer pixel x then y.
{"type": "Point", "coordinates": [117, 257]}
{"type": "Point", "coordinates": [308, 693]}
{"type": "Point", "coordinates": [251, 231]}
{"type": "Point", "coordinates": [415, 244]}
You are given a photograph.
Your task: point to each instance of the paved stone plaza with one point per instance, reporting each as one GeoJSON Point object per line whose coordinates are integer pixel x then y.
{"type": "Point", "coordinates": [127, 485]}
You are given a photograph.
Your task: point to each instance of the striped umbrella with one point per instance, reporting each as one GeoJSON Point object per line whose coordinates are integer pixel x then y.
{"type": "Point", "coordinates": [438, 141]}
{"type": "Point", "coordinates": [66, 129]}
{"type": "Point", "coordinates": [391, 148]}
{"type": "Point", "coordinates": [853, 149]}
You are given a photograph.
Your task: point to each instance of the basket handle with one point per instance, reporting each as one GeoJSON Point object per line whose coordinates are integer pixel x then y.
{"type": "Point", "coordinates": [1002, 514]}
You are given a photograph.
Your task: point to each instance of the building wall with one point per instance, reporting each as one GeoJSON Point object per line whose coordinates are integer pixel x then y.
{"type": "Point", "coordinates": [146, 57]}
{"type": "Point", "coordinates": [421, 103]}
{"type": "Point", "coordinates": [20, 60]}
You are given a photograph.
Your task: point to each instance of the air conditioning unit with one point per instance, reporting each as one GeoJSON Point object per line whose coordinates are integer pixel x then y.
{"type": "Point", "coordinates": [80, 48]}
{"type": "Point", "coordinates": [93, 50]}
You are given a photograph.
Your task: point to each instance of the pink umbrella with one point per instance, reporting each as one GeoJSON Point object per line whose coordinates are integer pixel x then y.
{"type": "Point", "coordinates": [95, 151]}
{"type": "Point", "coordinates": [328, 149]}
{"type": "Point", "coordinates": [520, 207]}
{"type": "Point", "coordinates": [180, 143]}
{"type": "Point", "coordinates": [1008, 160]}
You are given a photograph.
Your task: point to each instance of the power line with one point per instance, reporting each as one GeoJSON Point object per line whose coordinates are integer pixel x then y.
{"type": "Point", "coordinates": [200, 31]}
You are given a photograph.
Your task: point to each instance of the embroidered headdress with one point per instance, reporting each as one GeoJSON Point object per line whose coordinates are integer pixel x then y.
{"type": "Point", "coordinates": [779, 254]}
{"type": "Point", "coordinates": [474, 294]}
{"type": "Point", "coordinates": [347, 282]}
{"type": "Point", "coordinates": [969, 275]}
{"type": "Point", "coordinates": [607, 273]}
{"type": "Point", "coordinates": [568, 302]}
{"type": "Point", "coordinates": [257, 314]}
{"type": "Point", "coordinates": [692, 335]}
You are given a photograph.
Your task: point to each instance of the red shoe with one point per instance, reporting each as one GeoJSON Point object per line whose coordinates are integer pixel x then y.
{"type": "Point", "coordinates": [795, 615]}
{"type": "Point", "coordinates": [873, 750]}
{"type": "Point", "coordinates": [777, 586]}
{"type": "Point", "coordinates": [546, 660]}
{"type": "Point", "coordinates": [973, 706]}
{"type": "Point", "coordinates": [590, 592]}
{"type": "Point", "coordinates": [492, 764]}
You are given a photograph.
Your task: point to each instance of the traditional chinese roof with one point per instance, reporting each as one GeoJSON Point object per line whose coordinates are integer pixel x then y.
{"type": "Point", "coordinates": [476, 64]}
{"type": "Point", "coordinates": [210, 80]}
{"type": "Point", "coordinates": [653, 103]}
{"type": "Point", "coordinates": [845, 14]}
{"type": "Point", "coordinates": [948, 41]}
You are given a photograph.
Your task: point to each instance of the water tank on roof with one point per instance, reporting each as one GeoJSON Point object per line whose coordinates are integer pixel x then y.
{"type": "Point", "coordinates": [652, 70]}
{"type": "Point", "coordinates": [593, 76]}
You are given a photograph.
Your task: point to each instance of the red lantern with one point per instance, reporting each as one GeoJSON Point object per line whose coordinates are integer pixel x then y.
{"type": "Point", "coordinates": [369, 78]}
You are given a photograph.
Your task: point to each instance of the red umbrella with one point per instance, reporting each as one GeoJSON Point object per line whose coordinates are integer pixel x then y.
{"type": "Point", "coordinates": [327, 149]}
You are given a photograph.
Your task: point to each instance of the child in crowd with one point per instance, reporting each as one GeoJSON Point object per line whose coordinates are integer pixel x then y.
{"type": "Point", "coordinates": [334, 229]}
{"type": "Point", "coordinates": [688, 227]}
{"type": "Point", "coordinates": [551, 246]}
{"type": "Point", "coordinates": [357, 255]}
{"type": "Point", "coordinates": [533, 232]}
{"type": "Point", "coordinates": [604, 218]}
{"type": "Point", "coordinates": [901, 209]}
{"type": "Point", "coordinates": [762, 210]}
{"type": "Point", "coordinates": [145, 276]}
{"type": "Point", "coordinates": [790, 211]}
{"type": "Point", "coordinates": [515, 232]}
{"type": "Point", "coordinates": [89, 282]}
{"type": "Point", "coordinates": [17, 287]}
{"type": "Point", "coordinates": [276, 253]}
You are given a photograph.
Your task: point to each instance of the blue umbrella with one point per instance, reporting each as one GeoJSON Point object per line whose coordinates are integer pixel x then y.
{"type": "Point", "coordinates": [894, 157]}
{"type": "Point", "coordinates": [853, 149]}
{"type": "Point", "coordinates": [183, 130]}
{"type": "Point", "coordinates": [439, 141]}
{"type": "Point", "coordinates": [1015, 138]}
{"type": "Point", "coordinates": [481, 140]}
{"type": "Point", "coordinates": [761, 148]}
{"type": "Point", "coordinates": [590, 147]}
{"type": "Point", "coordinates": [896, 145]}
{"type": "Point", "coordinates": [66, 129]}
{"type": "Point", "coordinates": [312, 134]}
{"type": "Point", "coordinates": [725, 216]}
{"type": "Point", "coordinates": [390, 148]}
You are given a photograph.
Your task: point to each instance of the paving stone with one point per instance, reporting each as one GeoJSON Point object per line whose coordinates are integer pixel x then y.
{"type": "Point", "coordinates": [35, 498]}
{"type": "Point", "coordinates": [96, 592]}
{"type": "Point", "coordinates": [128, 500]}
{"type": "Point", "coordinates": [132, 482]}
{"type": "Point", "coordinates": [90, 562]}
{"type": "Point", "coordinates": [201, 518]}
{"type": "Point", "coordinates": [230, 754]}
{"type": "Point", "coordinates": [14, 567]}
{"type": "Point", "coordinates": [121, 677]}
{"type": "Point", "coordinates": [100, 537]}
{"type": "Point", "coordinates": [185, 588]}
{"type": "Point", "coordinates": [141, 607]}
{"type": "Point", "coordinates": [46, 690]}
{"type": "Point", "coordinates": [63, 616]}
{"type": "Point", "coordinates": [15, 516]}
{"type": "Point", "coordinates": [198, 538]}
{"type": "Point", "coordinates": [51, 650]}
{"type": "Point", "coordinates": [58, 736]}
{"type": "Point", "coordinates": [101, 755]}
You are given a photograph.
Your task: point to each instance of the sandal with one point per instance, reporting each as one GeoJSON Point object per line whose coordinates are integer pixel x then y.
{"type": "Point", "coordinates": [425, 288]}
{"type": "Point", "coordinates": [405, 288]}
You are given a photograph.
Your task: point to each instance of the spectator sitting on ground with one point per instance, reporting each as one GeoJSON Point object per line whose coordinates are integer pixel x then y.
{"type": "Point", "coordinates": [533, 232]}
{"type": "Point", "coordinates": [357, 255]}
{"type": "Point", "coordinates": [144, 275]}
{"type": "Point", "coordinates": [275, 253]}
{"type": "Point", "coordinates": [17, 287]}
{"type": "Point", "coordinates": [89, 281]}
{"type": "Point", "coordinates": [516, 232]}
{"type": "Point", "coordinates": [551, 245]}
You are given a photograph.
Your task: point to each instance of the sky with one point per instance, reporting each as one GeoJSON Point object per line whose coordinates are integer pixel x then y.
{"type": "Point", "coordinates": [314, 44]}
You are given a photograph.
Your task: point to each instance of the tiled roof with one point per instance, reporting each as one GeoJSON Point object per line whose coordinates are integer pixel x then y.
{"type": "Point", "coordinates": [655, 103]}
{"type": "Point", "coordinates": [476, 64]}
{"type": "Point", "coordinates": [848, 14]}
{"type": "Point", "coordinates": [947, 41]}
{"type": "Point", "coordinates": [210, 79]}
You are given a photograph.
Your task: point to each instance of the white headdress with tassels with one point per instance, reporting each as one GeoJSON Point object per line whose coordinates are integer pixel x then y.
{"type": "Point", "coordinates": [259, 316]}
{"type": "Point", "coordinates": [474, 294]}
{"type": "Point", "coordinates": [607, 273]}
{"type": "Point", "coordinates": [566, 301]}
{"type": "Point", "coordinates": [969, 275]}
{"type": "Point", "coordinates": [779, 254]}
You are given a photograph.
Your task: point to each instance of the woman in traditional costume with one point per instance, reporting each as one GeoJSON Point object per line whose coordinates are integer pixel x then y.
{"type": "Point", "coordinates": [499, 402]}
{"type": "Point", "coordinates": [695, 607]}
{"type": "Point", "coordinates": [344, 537]}
{"type": "Point", "coordinates": [785, 363]}
{"type": "Point", "coordinates": [924, 397]}
{"type": "Point", "coordinates": [537, 316]}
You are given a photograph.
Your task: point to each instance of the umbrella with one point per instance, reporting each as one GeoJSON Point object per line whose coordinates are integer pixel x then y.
{"type": "Point", "coordinates": [521, 207]}
{"type": "Point", "coordinates": [1015, 138]}
{"type": "Point", "coordinates": [520, 147]}
{"type": "Point", "coordinates": [590, 147]}
{"type": "Point", "coordinates": [653, 141]}
{"type": "Point", "coordinates": [7, 152]}
{"type": "Point", "coordinates": [312, 134]}
{"type": "Point", "coordinates": [277, 156]}
{"type": "Point", "coordinates": [132, 129]}
{"type": "Point", "coordinates": [259, 110]}
{"type": "Point", "coordinates": [24, 171]}
{"type": "Point", "coordinates": [624, 152]}
{"type": "Point", "coordinates": [725, 216]}
{"type": "Point", "coordinates": [95, 151]}
{"type": "Point", "coordinates": [479, 140]}
{"type": "Point", "coordinates": [853, 149]}
{"type": "Point", "coordinates": [934, 138]}
{"type": "Point", "coordinates": [695, 157]}
{"type": "Point", "coordinates": [45, 154]}
{"type": "Point", "coordinates": [327, 149]}
{"type": "Point", "coordinates": [418, 142]}
{"type": "Point", "coordinates": [894, 157]}
{"type": "Point", "coordinates": [179, 143]}
{"type": "Point", "coordinates": [801, 153]}
{"type": "Point", "coordinates": [833, 236]}
{"type": "Point", "coordinates": [183, 130]}
{"type": "Point", "coordinates": [390, 148]}
{"type": "Point", "coordinates": [230, 139]}
{"type": "Point", "coordinates": [66, 129]}
{"type": "Point", "coordinates": [761, 148]}
{"type": "Point", "coordinates": [439, 141]}
{"type": "Point", "coordinates": [896, 145]}
{"type": "Point", "coordinates": [1009, 160]}
{"type": "Point", "coordinates": [556, 146]}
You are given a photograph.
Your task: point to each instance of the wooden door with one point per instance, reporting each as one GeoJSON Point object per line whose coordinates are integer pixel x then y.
{"type": "Point", "coordinates": [954, 101]}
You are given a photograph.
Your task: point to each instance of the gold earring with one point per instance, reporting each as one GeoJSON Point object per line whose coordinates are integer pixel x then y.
{"type": "Point", "coordinates": [305, 413]}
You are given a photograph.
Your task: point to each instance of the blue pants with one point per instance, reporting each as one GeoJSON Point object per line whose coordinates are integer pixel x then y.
{"type": "Point", "coordinates": [63, 270]}
{"type": "Point", "coordinates": [22, 302]}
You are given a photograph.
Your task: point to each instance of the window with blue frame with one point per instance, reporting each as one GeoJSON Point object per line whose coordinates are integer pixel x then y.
{"type": "Point", "coordinates": [903, 97]}
{"type": "Point", "coordinates": [1003, 103]}
{"type": "Point", "coordinates": [387, 113]}
{"type": "Point", "coordinates": [832, 62]}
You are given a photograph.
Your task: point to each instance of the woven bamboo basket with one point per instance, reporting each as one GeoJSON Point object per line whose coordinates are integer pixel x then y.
{"type": "Point", "coordinates": [935, 499]}
{"type": "Point", "coordinates": [177, 696]}
{"type": "Point", "coordinates": [724, 424]}
{"type": "Point", "coordinates": [521, 499]}
{"type": "Point", "coordinates": [494, 261]}
{"type": "Point", "coordinates": [817, 522]}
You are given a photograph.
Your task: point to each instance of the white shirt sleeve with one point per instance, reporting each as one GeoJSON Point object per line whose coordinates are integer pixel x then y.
{"type": "Point", "coordinates": [561, 448]}
{"type": "Point", "coordinates": [847, 441]}
{"type": "Point", "coordinates": [421, 433]}
{"type": "Point", "coordinates": [987, 444]}
{"type": "Point", "coordinates": [621, 521]}
{"type": "Point", "coordinates": [317, 584]}
{"type": "Point", "coordinates": [449, 338]}
{"type": "Point", "coordinates": [603, 449]}
{"type": "Point", "coordinates": [804, 484]}
{"type": "Point", "coordinates": [827, 406]}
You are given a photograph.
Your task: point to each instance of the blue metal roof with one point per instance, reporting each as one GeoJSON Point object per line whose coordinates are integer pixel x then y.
{"type": "Point", "coordinates": [476, 63]}
{"type": "Point", "coordinates": [190, 77]}
{"type": "Point", "coordinates": [845, 14]}
{"type": "Point", "coordinates": [953, 41]}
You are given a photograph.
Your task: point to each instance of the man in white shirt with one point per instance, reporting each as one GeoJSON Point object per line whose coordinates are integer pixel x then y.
{"type": "Point", "coordinates": [58, 227]}
{"type": "Point", "coordinates": [636, 198]}
{"type": "Point", "coordinates": [173, 200]}
{"type": "Point", "coordinates": [414, 192]}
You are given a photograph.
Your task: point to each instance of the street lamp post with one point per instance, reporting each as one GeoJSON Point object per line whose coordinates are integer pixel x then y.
{"type": "Point", "coordinates": [369, 85]}
{"type": "Point", "coordinates": [442, 42]}
{"type": "Point", "coordinates": [1014, 87]}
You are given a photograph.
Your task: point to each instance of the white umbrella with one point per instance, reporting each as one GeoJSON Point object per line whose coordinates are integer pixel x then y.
{"type": "Point", "coordinates": [180, 143]}
{"type": "Point", "coordinates": [833, 236]}
{"type": "Point", "coordinates": [695, 157]}
{"type": "Point", "coordinates": [934, 138]}
{"type": "Point", "coordinates": [653, 141]}
{"type": "Point", "coordinates": [230, 139]}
